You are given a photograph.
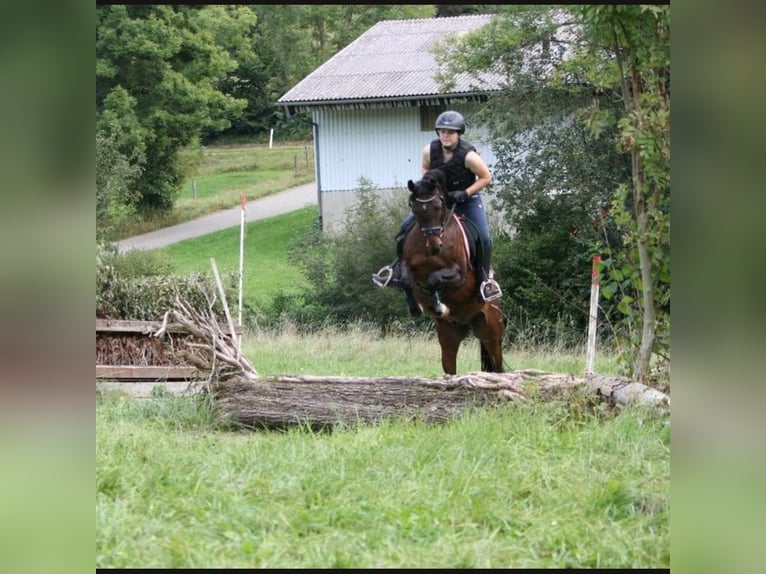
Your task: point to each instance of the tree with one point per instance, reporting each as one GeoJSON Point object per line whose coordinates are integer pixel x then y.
{"type": "Point", "coordinates": [158, 70]}
{"type": "Point", "coordinates": [638, 41]}
{"type": "Point", "coordinates": [286, 43]}
{"type": "Point", "coordinates": [573, 63]}
{"type": "Point", "coordinates": [115, 175]}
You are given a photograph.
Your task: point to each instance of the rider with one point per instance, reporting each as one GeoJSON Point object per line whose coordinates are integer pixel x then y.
{"type": "Point", "coordinates": [467, 175]}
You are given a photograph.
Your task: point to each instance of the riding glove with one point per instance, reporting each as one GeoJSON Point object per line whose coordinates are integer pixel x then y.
{"type": "Point", "coordinates": [458, 197]}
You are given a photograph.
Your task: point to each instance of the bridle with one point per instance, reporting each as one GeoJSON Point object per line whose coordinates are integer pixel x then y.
{"type": "Point", "coordinates": [437, 229]}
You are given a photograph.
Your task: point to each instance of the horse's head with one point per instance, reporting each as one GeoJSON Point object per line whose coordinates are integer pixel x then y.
{"type": "Point", "coordinates": [429, 206]}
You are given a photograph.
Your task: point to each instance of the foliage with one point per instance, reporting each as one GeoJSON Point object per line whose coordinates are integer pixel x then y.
{"type": "Point", "coordinates": [583, 119]}
{"type": "Point", "coordinates": [115, 175]}
{"type": "Point", "coordinates": [637, 40]}
{"type": "Point", "coordinates": [339, 264]}
{"type": "Point", "coordinates": [157, 74]}
{"type": "Point", "coordinates": [286, 43]}
{"type": "Point", "coordinates": [136, 286]}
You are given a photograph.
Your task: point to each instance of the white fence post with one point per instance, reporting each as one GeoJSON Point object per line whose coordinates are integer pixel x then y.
{"type": "Point", "coordinates": [593, 319]}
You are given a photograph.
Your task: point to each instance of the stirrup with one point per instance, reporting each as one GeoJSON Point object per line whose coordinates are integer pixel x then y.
{"type": "Point", "coordinates": [383, 277]}
{"type": "Point", "coordinates": [487, 283]}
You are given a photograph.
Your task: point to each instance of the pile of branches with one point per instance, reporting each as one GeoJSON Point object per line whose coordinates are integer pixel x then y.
{"type": "Point", "coordinates": [208, 347]}
{"type": "Point", "coordinates": [136, 349]}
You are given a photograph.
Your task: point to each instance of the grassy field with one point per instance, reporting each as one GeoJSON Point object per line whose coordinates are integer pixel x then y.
{"type": "Point", "coordinates": [267, 268]}
{"type": "Point", "coordinates": [220, 175]}
{"type": "Point", "coordinates": [532, 485]}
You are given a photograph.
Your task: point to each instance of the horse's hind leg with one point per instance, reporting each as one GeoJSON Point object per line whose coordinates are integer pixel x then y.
{"type": "Point", "coordinates": [450, 336]}
{"type": "Point", "coordinates": [489, 330]}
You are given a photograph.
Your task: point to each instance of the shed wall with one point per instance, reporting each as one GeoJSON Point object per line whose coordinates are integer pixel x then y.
{"type": "Point", "coordinates": [381, 145]}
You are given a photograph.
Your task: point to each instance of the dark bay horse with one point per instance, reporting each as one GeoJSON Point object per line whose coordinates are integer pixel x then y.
{"type": "Point", "coordinates": [436, 264]}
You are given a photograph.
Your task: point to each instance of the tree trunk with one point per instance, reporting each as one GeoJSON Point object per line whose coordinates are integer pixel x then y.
{"type": "Point", "coordinates": [283, 401]}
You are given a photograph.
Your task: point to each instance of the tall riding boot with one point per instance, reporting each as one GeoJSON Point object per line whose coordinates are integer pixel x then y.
{"type": "Point", "coordinates": [489, 290]}
{"type": "Point", "coordinates": [391, 275]}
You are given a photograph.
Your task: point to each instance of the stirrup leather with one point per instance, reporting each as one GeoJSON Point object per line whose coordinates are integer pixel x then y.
{"type": "Point", "coordinates": [486, 283]}
{"type": "Point", "coordinates": [383, 277]}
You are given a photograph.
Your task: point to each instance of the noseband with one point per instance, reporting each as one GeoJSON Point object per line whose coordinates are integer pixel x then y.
{"type": "Point", "coordinates": [437, 229]}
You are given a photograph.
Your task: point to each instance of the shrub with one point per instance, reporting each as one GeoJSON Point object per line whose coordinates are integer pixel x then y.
{"type": "Point", "coordinates": [137, 286]}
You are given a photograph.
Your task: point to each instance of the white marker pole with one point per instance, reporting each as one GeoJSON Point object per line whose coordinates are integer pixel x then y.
{"type": "Point", "coordinates": [243, 202]}
{"type": "Point", "coordinates": [592, 323]}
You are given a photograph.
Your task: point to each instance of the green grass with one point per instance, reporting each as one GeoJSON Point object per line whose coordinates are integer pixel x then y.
{"type": "Point", "coordinates": [361, 351]}
{"type": "Point", "coordinates": [533, 485]}
{"type": "Point", "coordinates": [222, 174]}
{"type": "Point", "coordinates": [267, 269]}
{"type": "Point", "coordinates": [519, 486]}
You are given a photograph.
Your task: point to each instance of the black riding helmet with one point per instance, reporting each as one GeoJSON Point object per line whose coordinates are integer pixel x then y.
{"type": "Point", "coordinates": [450, 121]}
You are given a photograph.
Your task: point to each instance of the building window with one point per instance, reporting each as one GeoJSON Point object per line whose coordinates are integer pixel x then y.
{"type": "Point", "coordinates": [428, 115]}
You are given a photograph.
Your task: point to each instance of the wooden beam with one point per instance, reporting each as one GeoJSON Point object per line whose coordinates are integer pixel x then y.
{"type": "Point", "coordinates": [146, 390]}
{"type": "Point", "coordinates": [147, 327]}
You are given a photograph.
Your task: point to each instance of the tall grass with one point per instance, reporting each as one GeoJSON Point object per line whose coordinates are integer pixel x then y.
{"type": "Point", "coordinates": [518, 486]}
{"type": "Point", "coordinates": [358, 350]}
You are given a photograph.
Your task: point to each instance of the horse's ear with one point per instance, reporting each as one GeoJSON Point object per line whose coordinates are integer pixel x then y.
{"type": "Point", "coordinates": [411, 186]}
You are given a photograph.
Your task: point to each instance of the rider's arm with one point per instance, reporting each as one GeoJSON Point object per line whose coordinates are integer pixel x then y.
{"type": "Point", "coordinates": [474, 162]}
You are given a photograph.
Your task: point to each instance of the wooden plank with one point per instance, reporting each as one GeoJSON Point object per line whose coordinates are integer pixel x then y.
{"type": "Point", "coordinates": [148, 372]}
{"type": "Point", "coordinates": [146, 327]}
{"type": "Point", "coordinates": [146, 390]}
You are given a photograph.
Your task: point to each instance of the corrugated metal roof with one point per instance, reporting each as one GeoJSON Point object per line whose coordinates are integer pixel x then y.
{"type": "Point", "coordinates": [390, 61]}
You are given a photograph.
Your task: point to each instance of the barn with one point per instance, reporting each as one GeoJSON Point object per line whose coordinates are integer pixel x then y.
{"type": "Point", "coordinates": [374, 104]}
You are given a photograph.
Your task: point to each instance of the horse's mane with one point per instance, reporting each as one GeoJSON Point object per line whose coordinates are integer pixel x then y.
{"type": "Point", "coordinates": [432, 179]}
{"type": "Point", "coordinates": [435, 178]}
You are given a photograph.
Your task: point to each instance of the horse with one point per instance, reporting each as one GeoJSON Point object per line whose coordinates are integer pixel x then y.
{"type": "Point", "coordinates": [441, 280]}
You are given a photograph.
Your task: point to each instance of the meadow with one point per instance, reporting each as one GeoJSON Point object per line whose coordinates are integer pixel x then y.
{"type": "Point", "coordinates": [219, 176]}
{"type": "Point", "coordinates": [521, 485]}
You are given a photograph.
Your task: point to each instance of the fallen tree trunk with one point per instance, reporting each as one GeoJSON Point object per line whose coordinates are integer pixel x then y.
{"type": "Point", "coordinates": [281, 401]}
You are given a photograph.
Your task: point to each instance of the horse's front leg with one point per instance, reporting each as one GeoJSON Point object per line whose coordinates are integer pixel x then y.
{"type": "Point", "coordinates": [450, 336]}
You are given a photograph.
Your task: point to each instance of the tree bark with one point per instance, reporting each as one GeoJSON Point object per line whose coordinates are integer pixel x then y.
{"type": "Point", "coordinates": [283, 401]}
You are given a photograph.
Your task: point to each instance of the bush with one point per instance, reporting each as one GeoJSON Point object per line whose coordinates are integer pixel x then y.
{"type": "Point", "coordinates": [137, 286]}
{"type": "Point", "coordinates": [339, 267]}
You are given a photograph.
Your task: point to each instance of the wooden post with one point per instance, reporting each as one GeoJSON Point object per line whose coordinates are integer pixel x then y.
{"type": "Point", "coordinates": [223, 300]}
{"type": "Point", "coordinates": [592, 322]}
{"type": "Point", "coordinates": [194, 187]}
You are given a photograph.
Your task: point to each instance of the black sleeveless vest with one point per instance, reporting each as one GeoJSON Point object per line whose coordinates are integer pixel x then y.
{"type": "Point", "coordinates": [458, 176]}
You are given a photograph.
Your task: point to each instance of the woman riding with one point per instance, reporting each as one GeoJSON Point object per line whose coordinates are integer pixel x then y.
{"type": "Point", "coordinates": [466, 175]}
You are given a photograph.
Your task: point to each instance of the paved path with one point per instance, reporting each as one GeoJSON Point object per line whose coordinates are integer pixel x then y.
{"type": "Point", "coordinates": [269, 206]}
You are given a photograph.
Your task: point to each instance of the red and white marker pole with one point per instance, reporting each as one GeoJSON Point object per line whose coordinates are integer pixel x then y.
{"type": "Point", "coordinates": [243, 203]}
{"type": "Point", "coordinates": [593, 319]}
